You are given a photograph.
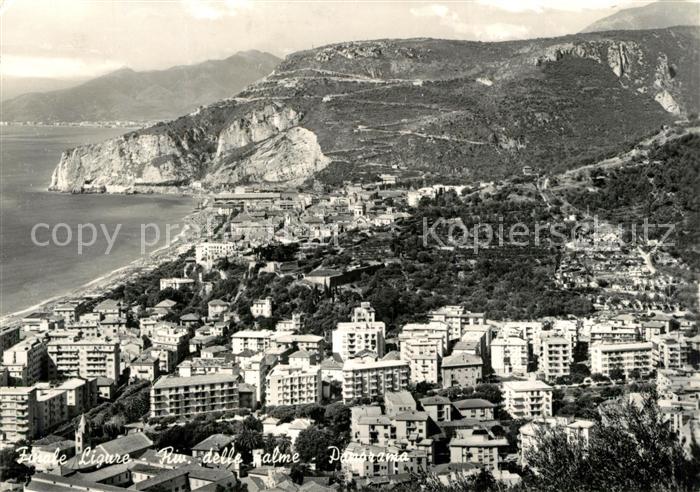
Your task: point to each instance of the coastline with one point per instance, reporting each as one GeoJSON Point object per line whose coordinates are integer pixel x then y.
{"type": "Point", "coordinates": [98, 286]}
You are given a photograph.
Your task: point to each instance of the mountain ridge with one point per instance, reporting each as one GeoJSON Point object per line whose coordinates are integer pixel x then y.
{"type": "Point", "coordinates": [656, 15]}
{"type": "Point", "coordinates": [421, 107]}
{"type": "Point", "coordinates": [130, 95]}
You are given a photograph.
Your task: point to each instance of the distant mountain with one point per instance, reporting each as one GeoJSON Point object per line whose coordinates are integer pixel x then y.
{"type": "Point", "coordinates": [665, 13]}
{"type": "Point", "coordinates": [16, 86]}
{"type": "Point", "coordinates": [143, 96]}
{"type": "Point", "coordinates": [452, 110]}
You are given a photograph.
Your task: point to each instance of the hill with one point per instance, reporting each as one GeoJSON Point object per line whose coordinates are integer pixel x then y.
{"type": "Point", "coordinates": [419, 107]}
{"type": "Point", "coordinates": [128, 95]}
{"type": "Point", "coordinates": [665, 13]}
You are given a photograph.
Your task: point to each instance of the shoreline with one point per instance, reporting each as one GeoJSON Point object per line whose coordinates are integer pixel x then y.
{"type": "Point", "coordinates": [104, 283]}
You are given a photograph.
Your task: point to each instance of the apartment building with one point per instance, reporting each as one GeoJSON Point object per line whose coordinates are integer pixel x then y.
{"type": "Point", "coordinates": [478, 446]}
{"type": "Point", "coordinates": [262, 308]}
{"type": "Point", "coordinates": [173, 338]}
{"type": "Point", "coordinates": [462, 370]}
{"type": "Point", "coordinates": [670, 351]}
{"type": "Point", "coordinates": [475, 408]}
{"type": "Point", "coordinates": [625, 356]}
{"type": "Point", "coordinates": [364, 313]}
{"type": "Point", "coordinates": [423, 355]}
{"type": "Point", "coordinates": [173, 396]}
{"type": "Point", "coordinates": [81, 395]}
{"type": "Point", "coordinates": [51, 408]}
{"type": "Point", "coordinates": [18, 419]}
{"type": "Point", "coordinates": [527, 399]}
{"type": "Point", "coordinates": [364, 378]}
{"type": "Point", "coordinates": [509, 356]}
{"type": "Point", "coordinates": [555, 357]}
{"type": "Point", "coordinates": [574, 428]}
{"type": "Point", "coordinates": [9, 336]}
{"type": "Point", "coordinates": [289, 385]}
{"type": "Point", "coordinates": [253, 340]}
{"type": "Point", "coordinates": [613, 333]}
{"type": "Point", "coordinates": [87, 358]}
{"type": "Point", "coordinates": [439, 408]}
{"type": "Point", "coordinates": [146, 366]}
{"type": "Point", "coordinates": [351, 338]}
{"type": "Point", "coordinates": [458, 319]}
{"type": "Point", "coordinates": [26, 361]}
{"type": "Point", "coordinates": [435, 330]}
{"type": "Point", "coordinates": [207, 253]}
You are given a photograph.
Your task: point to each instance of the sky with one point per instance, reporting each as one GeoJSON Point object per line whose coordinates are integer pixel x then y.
{"type": "Point", "coordinates": [68, 39]}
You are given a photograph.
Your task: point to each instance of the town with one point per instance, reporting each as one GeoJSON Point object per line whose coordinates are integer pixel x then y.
{"type": "Point", "coordinates": [259, 359]}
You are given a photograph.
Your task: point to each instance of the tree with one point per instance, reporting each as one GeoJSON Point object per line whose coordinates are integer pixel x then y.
{"type": "Point", "coordinates": [617, 374]}
{"type": "Point", "coordinates": [10, 468]}
{"type": "Point", "coordinates": [337, 418]}
{"type": "Point", "coordinates": [633, 448]}
{"type": "Point", "coordinates": [313, 445]}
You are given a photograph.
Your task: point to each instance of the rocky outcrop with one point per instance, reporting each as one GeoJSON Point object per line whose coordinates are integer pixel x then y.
{"type": "Point", "coordinates": [288, 158]}
{"type": "Point", "coordinates": [275, 150]}
{"type": "Point", "coordinates": [157, 159]}
{"type": "Point", "coordinates": [256, 126]}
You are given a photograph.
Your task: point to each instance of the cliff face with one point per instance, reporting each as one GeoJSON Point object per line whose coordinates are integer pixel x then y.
{"type": "Point", "coordinates": [218, 153]}
{"type": "Point", "coordinates": [420, 107]}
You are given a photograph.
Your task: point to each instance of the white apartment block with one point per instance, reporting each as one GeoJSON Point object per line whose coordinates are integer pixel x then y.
{"type": "Point", "coordinates": [179, 397]}
{"type": "Point", "coordinates": [253, 340]}
{"type": "Point", "coordinates": [25, 361]}
{"type": "Point", "coordinates": [527, 399]}
{"type": "Point", "coordinates": [173, 338]}
{"type": "Point", "coordinates": [509, 356]}
{"type": "Point", "coordinates": [371, 379]}
{"type": "Point", "coordinates": [527, 330]}
{"type": "Point", "coordinates": [624, 356]}
{"type": "Point", "coordinates": [528, 433]}
{"type": "Point", "coordinates": [262, 308]}
{"type": "Point", "coordinates": [610, 333]}
{"type": "Point", "coordinates": [207, 253]}
{"type": "Point", "coordinates": [434, 330]}
{"type": "Point", "coordinates": [18, 419]}
{"type": "Point", "coordinates": [555, 358]}
{"type": "Point", "coordinates": [87, 358]}
{"type": "Point", "coordinates": [670, 351]}
{"type": "Point", "coordinates": [364, 313]}
{"type": "Point", "coordinates": [423, 355]}
{"type": "Point", "coordinates": [288, 385]}
{"type": "Point", "coordinates": [356, 336]}
{"type": "Point", "coordinates": [458, 319]}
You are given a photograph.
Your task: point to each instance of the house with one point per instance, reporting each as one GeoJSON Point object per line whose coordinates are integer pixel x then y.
{"type": "Point", "coordinates": [475, 408]}
{"type": "Point", "coordinates": [396, 402]}
{"type": "Point", "coordinates": [216, 309]}
{"type": "Point", "coordinates": [438, 408]}
{"type": "Point", "coordinates": [214, 445]}
{"type": "Point", "coordinates": [175, 283]}
{"type": "Point", "coordinates": [462, 370]}
{"type": "Point", "coordinates": [477, 445]}
{"type": "Point", "coordinates": [262, 308]}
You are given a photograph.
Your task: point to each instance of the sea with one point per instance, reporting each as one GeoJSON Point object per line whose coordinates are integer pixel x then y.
{"type": "Point", "coordinates": [53, 263]}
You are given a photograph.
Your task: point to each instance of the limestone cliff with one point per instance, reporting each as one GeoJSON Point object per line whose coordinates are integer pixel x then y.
{"type": "Point", "coordinates": [217, 153]}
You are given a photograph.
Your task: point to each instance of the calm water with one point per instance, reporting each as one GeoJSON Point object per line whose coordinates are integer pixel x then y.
{"type": "Point", "coordinates": [30, 273]}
